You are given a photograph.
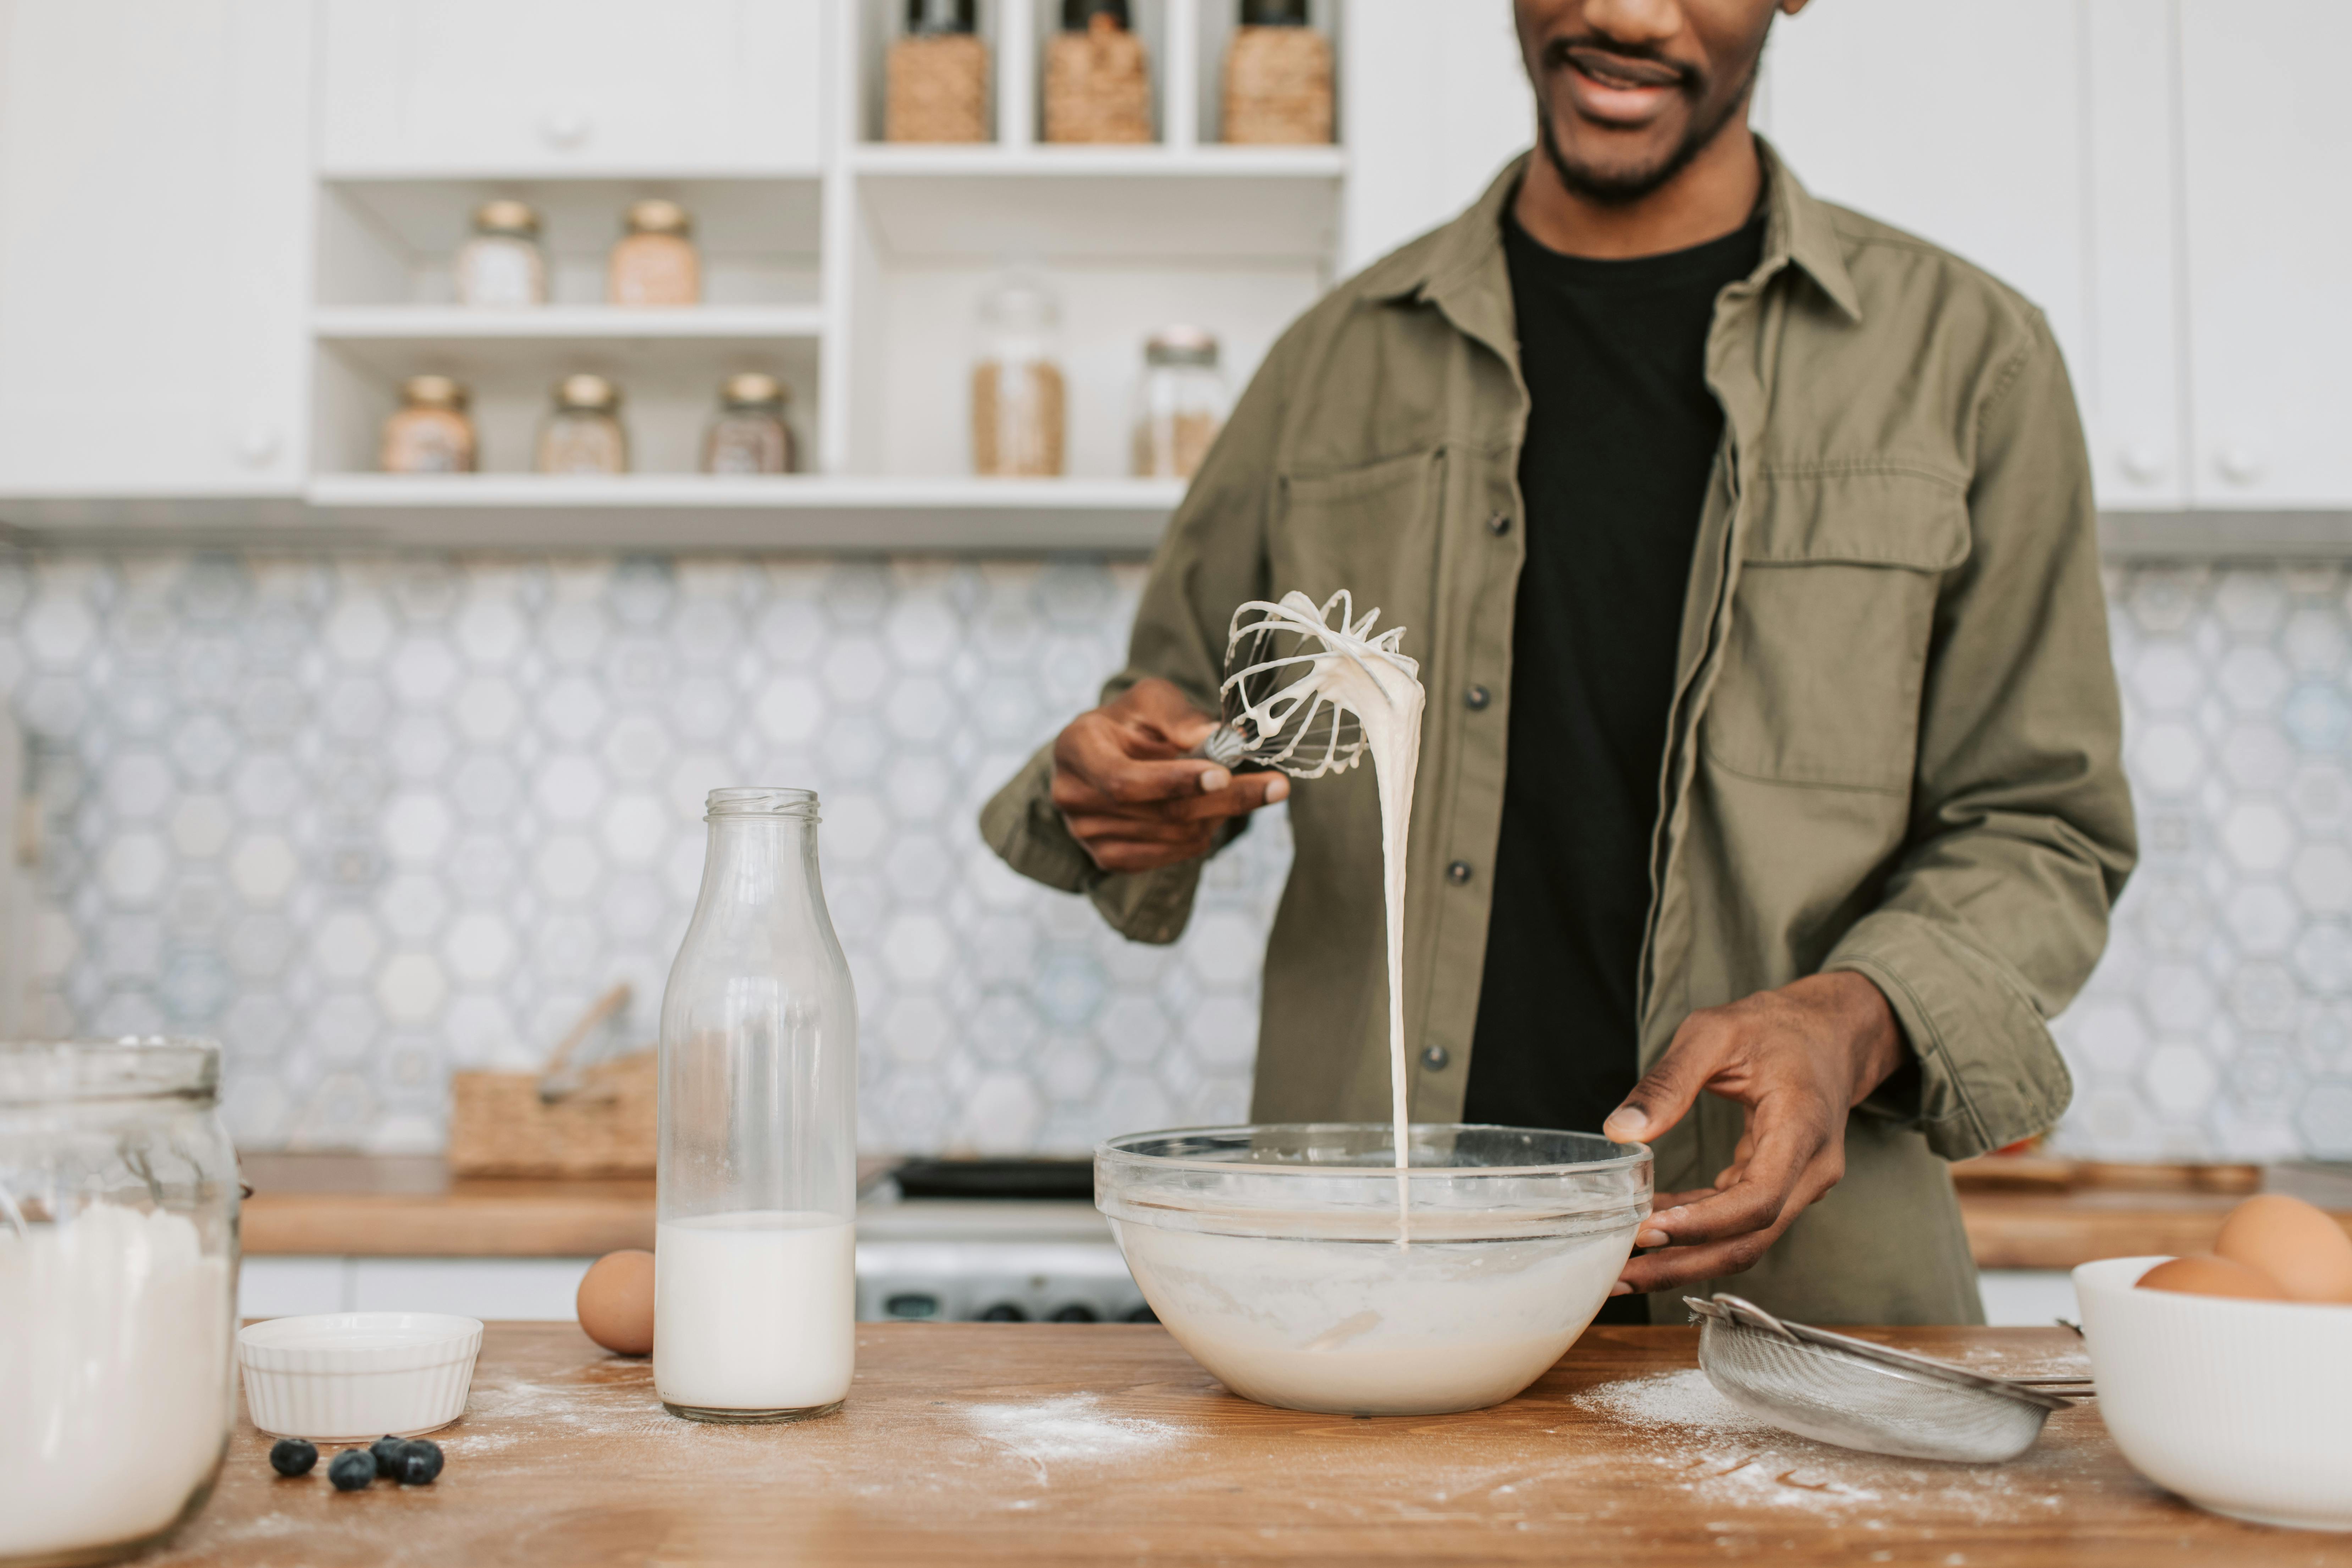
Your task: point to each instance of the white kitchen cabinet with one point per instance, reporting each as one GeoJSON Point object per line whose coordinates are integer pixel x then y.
{"type": "Point", "coordinates": [551, 87]}
{"type": "Point", "coordinates": [1960, 124]}
{"type": "Point", "coordinates": [2266, 182]}
{"type": "Point", "coordinates": [2130, 379]}
{"type": "Point", "coordinates": [154, 196]}
{"type": "Point", "coordinates": [1436, 102]}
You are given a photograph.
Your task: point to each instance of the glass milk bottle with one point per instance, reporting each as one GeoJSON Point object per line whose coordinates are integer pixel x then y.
{"type": "Point", "coordinates": [754, 1283]}
{"type": "Point", "coordinates": [118, 1280]}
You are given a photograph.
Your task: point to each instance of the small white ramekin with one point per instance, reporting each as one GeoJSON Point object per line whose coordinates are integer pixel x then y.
{"type": "Point", "coordinates": [2237, 1406]}
{"type": "Point", "coordinates": [346, 1377]}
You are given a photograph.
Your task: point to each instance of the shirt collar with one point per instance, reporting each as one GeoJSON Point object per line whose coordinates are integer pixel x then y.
{"type": "Point", "coordinates": [1462, 272]}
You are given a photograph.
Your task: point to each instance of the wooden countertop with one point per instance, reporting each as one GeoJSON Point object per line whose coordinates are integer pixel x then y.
{"type": "Point", "coordinates": [2021, 1214]}
{"type": "Point", "coordinates": [1043, 1443]}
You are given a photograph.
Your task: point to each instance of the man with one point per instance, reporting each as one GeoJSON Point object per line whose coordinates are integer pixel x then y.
{"type": "Point", "coordinates": [1746, 548]}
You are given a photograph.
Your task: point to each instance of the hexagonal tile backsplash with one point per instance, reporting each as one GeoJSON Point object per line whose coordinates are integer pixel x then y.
{"type": "Point", "coordinates": [367, 821]}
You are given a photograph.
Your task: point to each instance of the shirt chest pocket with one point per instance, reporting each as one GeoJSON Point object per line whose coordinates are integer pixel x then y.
{"type": "Point", "coordinates": [1372, 530]}
{"type": "Point", "coordinates": [1831, 622]}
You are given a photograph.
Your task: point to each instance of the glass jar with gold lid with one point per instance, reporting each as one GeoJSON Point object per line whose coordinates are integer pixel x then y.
{"type": "Point", "coordinates": [583, 434]}
{"type": "Point", "coordinates": [654, 262]}
{"type": "Point", "coordinates": [502, 264]}
{"type": "Point", "coordinates": [750, 435]}
{"type": "Point", "coordinates": [431, 434]}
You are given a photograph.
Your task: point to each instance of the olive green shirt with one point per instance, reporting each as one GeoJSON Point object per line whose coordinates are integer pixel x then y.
{"type": "Point", "coordinates": [1894, 743]}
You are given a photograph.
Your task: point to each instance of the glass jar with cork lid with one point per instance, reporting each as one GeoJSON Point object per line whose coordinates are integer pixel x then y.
{"type": "Point", "coordinates": [750, 435]}
{"type": "Point", "coordinates": [1277, 76]}
{"type": "Point", "coordinates": [938, 75]}
{"type": "Point", "coordinates": [502, 265]}
{"type": "Point", "coordinates": [1180, 403]}
{"type": "Point", "coordinates": [583, 434]}
{"type": "Point", "coordinates": [1018, 395]}
{"type": "Point", "coordinates": [654, 262]}
{"type": "Point", "coordinates": [430, 433]}
{"type": "Point", "coordinates": [1097, 81]}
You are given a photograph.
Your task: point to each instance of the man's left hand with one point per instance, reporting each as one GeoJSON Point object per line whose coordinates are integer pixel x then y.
{"type": "Point", "coordinates": [1797, 1060]}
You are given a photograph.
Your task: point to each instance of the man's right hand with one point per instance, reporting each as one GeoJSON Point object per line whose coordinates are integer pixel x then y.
{"type": "Point", "coordinates": [1133, 800]}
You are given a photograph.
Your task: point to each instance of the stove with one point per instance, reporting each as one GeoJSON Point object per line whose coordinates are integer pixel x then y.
{"type": "Point", "coordinates": [991, 1241]}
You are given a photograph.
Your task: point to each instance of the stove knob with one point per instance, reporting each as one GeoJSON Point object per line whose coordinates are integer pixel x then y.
{"type": "Point", "coordinates": [1143, 1315]}
{"type": "Point", "coordinates": [1004, 1312]}
{"type": "Point", "coordinates": [1075, 1312]}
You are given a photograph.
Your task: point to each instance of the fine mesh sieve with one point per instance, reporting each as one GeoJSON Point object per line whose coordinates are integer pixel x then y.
{"type": "Point", "coordinates": [1837, 1389]}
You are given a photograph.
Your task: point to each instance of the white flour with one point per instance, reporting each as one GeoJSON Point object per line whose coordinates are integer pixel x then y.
{"type": "Point", "coordinates": [1721, 1457]}
{"type": "Point", "coordinates": [1072, 1429]}
{"type": "Point", "coordinates": [114, 1377]}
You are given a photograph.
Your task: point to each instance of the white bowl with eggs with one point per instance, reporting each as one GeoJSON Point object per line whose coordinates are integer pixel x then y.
{"type": "Point", "coordinates": [2241, 1406]}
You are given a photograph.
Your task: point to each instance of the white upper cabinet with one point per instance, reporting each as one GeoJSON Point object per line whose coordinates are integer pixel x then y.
{"type": "Point", "coordinates": [2267, 184]}
{"type": "Point", "coordinates": [2133, 393]}
{"type": "Point", "coordinates": [515, 88]}
{"type": "Point", "coordinates": [153, 230]}
{"type": "Point", "coordinates": [1961, 123]}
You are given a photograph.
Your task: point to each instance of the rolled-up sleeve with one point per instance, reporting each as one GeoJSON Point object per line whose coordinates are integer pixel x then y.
{"type": "Point", "coordinates": [2022, 831]}
{"type": "Point", "coordinates": [1211, 561]}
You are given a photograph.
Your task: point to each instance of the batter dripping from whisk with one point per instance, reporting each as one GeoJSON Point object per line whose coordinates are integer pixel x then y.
{"type": "Point", "coordinates": [1313, 665]}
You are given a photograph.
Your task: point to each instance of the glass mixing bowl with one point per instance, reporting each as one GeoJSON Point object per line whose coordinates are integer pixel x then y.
{"type": "Point", "coordinates": [1298, 1265]}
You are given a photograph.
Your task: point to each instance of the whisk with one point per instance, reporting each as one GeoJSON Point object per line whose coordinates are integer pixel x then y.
{"type": "Point", "coordinates": [1276, 713]}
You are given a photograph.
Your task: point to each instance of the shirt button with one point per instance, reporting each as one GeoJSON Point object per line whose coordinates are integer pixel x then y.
{"type": "Point", "coordinates": [1477, 699]}
{"type": "Point", "coordinates": [1435, 1058]}
{"type": "Point", "coordinates": [1499, 524]}
{"type": "Point", "coordinates": [1458, 873]}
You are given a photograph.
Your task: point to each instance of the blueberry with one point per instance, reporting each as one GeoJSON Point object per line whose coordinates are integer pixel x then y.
{"type": "Point", "coordinates": [387, 1450]}
{"type": "Point", "coordinates": [352, 1469]}
{"type": "Point", "coordinates": [420, 1461]}
{"type": "Point", "coordinates": [293, 1457]}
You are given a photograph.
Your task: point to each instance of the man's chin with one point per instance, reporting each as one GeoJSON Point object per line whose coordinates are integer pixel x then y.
{"type": "Point", "coordinates": [1615, 181]}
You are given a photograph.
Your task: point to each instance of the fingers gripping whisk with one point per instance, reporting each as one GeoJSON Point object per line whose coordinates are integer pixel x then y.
{"type": "Point", "coordinates": [1282, 666]}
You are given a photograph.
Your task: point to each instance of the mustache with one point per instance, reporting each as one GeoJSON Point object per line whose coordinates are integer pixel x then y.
{"type": "Point", "coordinates": [1644, 64]}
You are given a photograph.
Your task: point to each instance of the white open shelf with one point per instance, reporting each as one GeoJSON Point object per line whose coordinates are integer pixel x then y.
{"type": "Point", "coordinates": [387, 323]}
{"type": "Point", "coordinates": [694, 512]}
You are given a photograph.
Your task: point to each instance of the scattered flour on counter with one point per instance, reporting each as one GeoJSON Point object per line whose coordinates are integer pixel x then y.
{"type": "Point", "coordinates": [1675, 1399]}
{"type": "Point", "coordinates": [1723, 1457]}
{"type": "Point", "coordinates": [1068, 1430]}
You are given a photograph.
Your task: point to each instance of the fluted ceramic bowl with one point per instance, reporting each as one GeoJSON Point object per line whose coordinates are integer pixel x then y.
{"type": "Point", "coordinates": [1299, 1266]}
{"type": "Point", "coordinates": [2239, 1406]}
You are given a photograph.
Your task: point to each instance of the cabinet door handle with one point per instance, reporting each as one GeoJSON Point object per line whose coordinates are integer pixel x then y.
{"type": "Point", "coordinates": [563, 128]}
{"type": "Point", "coordinates": [2239, 463]}
{"type": "Point", "coordinates": [2142, 463]}
{"type": "Point", "coordinates": [257, 446]}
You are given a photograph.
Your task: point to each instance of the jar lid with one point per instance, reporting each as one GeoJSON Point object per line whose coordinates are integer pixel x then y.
{"type": "Point", "coordinates": [433, 392]}
{"type": "Point", "coordinates": [1273, 13]}
{"type": "Point", "coordinates": [506, 216]}
{"type": "Point", "coordinates": [1180, 345]}
{"type": "Point", "coordinates": [1020, 304]}
{"type": "Point", "coordinates": [1077, 14]}
{"type": "Point", "coordinates": [588, 394]}
{"type": "Point", "coordinates": [659, 216]}
{"type": "Point", "coordinates": [53, 1072]}
{"type": "Point", "coordinates": [754, 389]}
{"type": "Point", "coordinates": [941, 17]}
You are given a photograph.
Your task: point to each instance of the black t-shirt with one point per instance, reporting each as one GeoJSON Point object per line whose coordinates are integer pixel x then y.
{"type": "Point", "coordinates": [1621, 443]}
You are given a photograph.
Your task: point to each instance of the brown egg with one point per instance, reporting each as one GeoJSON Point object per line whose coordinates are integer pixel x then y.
{"type": "Point", "coordinates": [2211, 1277]}
{"type": "Point", "coordinates": [2300, 1247]}
{"type": "Point", "coordinates": [616, 1302]}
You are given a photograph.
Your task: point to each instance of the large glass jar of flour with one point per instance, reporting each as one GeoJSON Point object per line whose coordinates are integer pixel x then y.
{"type": "Point", "coordinates": [754, 1283]}
{"type": "Point", "coordinates": [118, 1279]}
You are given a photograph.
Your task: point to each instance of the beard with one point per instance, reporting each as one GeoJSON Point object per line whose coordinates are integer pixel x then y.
{"type": "Point", "coordinates": [1623, 187]}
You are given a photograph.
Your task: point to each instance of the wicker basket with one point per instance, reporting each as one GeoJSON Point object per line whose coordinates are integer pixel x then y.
{"type": "Point", "coordinates": [598, 1121]}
